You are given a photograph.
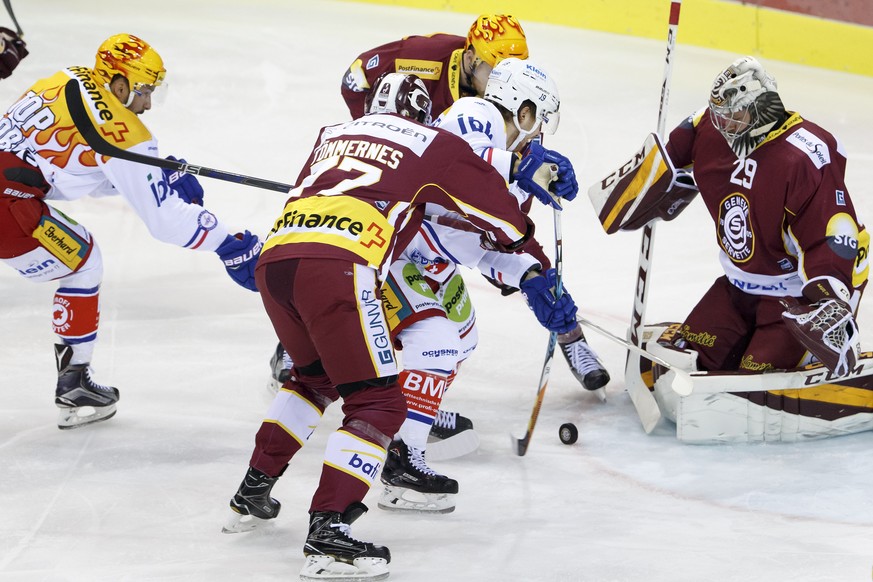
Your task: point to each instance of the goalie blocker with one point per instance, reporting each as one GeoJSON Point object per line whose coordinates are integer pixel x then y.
{"type": "Point", "coordinates": [644, 188]}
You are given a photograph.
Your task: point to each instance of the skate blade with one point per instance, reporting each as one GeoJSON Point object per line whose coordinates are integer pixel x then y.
{"type": "Point", "coordinates": [78, 416]}
{"type": "Point", "coordinates": [463, 443]}
{"type": "Point", "coordinates": [601, 394]}
{"type": "Point", "coordinates": [402, 499]}
{"type": "Point", "coordinates": [327, 569]}
{"type": "Point", "coordinates": [239, 523]}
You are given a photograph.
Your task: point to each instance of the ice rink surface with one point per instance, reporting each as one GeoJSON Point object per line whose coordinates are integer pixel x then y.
{"type": "Point", "coordinates": [143, 496]}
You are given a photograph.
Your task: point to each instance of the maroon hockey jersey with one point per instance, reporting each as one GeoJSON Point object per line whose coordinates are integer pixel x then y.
{"type": "Point", "coordinates": [783, 214]}
{"type": "Point", "coordinates": [435, 59]}
{"type": "Point", "coordinates": [361, 194]}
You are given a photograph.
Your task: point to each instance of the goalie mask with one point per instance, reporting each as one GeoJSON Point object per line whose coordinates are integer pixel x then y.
{"type": "Point", "coordinates": [744, 105]}
{"type": "Point", "coordinates": [402, 94]}
{"type": "Point", "coordinates": [514, 82]}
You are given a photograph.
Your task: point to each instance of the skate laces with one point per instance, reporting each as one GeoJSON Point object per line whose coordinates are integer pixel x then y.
{"type": "Point", "coordinates": [91, 384]}
{"type": "Point", "coordinates": [416, 459]}
{"type": "Point", "coordinates": [345, 530]}
{"type": "Point", "coordinates": [446, 420]}
{"type": "Point", "coordinates": [582, 357]}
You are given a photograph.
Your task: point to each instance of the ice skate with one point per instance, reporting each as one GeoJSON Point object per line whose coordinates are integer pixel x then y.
{"type": "Point", "coordinates": [451, 436]}
{"type": "Point", "coordinates": [584, 363]}
{"type": "Point", "coordinates": [252, 505]}
{"type": "Point", "coordinates": [332, 554]}
{"type": "Point", "coordinates": [80, 399]}
{"type": "Point", "coordinates": [410, 485]}
{"type": "Point", "coordinates": [280, 368]}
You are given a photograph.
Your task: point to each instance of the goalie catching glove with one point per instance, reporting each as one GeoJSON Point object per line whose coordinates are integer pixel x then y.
{"type": "Point", "coordinates": [825, 326]}
{"type": "Point", "coordinates": [557, 314]}
{"type": "Point", "coordinates": [240, 255]}
{"type": "Point", "coordinates": [545, 174]}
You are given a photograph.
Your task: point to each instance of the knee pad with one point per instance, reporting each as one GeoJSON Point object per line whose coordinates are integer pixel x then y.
{"type": "Point", "coordinates": [349, 388]}
{"type": "Point", "coordinates": [375, 413]}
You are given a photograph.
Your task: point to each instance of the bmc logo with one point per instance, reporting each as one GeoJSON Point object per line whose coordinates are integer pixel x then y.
{"type": "Point", "coordinates": [368, 469]}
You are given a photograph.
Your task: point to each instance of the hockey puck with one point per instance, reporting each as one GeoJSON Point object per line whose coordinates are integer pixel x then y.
{"type": "Point", "coordinates": [568, 433]}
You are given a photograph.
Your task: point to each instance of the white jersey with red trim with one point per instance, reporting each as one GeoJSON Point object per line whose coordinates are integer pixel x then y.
{"type": "Point", "coordinates": [437, 248]}
{"type": "Point", "coordinates": [39, 129]}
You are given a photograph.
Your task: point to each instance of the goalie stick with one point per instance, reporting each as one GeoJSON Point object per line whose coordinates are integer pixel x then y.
{"type": "Point", "coordinates": [642, 398]}
{"type": "Point", "coordinates": [92, 136]}
{"type": "Point", "coordinates": [521, 444]}
{"type": "Point", "coordinates": [8, 4]}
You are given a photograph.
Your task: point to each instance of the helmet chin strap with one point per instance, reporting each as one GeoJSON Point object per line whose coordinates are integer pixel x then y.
{"type": "Point", "coordinates": [130, 96]}
{"type": "Point", "coordinates": [522, 134]}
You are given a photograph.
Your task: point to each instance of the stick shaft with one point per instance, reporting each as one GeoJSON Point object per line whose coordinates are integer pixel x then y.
{"type": "Point", "coordinates": [99, 144]}
{"type": "Point", "coordinates": [522, 443]}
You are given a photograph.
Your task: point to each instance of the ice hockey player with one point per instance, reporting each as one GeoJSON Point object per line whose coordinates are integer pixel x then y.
{"type": "Point", "coordinates": [43, 158]}
{"type": "Point", "coordinates": [795, 261]}
{"type": "Point", "coordinates": [319, 277]}
{"type": "Point", "coordinates": [12, 50]}
{"type": "Point", "coordinates": [449, 65]}
{"type": "Point", "coordinates": [429, 308]}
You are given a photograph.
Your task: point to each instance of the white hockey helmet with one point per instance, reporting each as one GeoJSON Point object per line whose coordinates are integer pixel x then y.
{"type": "Point", "coordinates": [514, 82]}
{"type": "Point", "coordinates": [399, 93]}
{"type": "Point", "coordinates": [737, 96]}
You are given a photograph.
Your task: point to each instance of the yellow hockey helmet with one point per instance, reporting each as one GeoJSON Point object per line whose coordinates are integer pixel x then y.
{"type": "Point", "coordinates": [496, 37]}
{"type": "Point", "coordinates": [128, 55]}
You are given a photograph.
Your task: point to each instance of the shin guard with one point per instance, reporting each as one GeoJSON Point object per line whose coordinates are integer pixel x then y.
{"type": "Point", "coordinates": [76, 314]}
{"type": "Point", "coordinates": [291, 419]}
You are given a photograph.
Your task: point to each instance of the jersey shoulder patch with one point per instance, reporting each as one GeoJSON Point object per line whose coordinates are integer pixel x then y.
{"type": "Point", "coordinates": [813, 146]}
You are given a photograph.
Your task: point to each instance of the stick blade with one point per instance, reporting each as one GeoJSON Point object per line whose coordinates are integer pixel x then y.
{"type": "Point", "coordinates": [519, 445]}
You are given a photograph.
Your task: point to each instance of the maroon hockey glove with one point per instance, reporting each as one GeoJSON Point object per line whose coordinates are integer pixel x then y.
{"type": "Point", "coordinates": [12, 50]}
{"type": "Point", "coordinates": [827, 329]}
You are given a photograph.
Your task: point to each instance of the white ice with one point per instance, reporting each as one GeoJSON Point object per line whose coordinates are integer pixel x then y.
{"type": "Point", "coordinates": [144, 495]}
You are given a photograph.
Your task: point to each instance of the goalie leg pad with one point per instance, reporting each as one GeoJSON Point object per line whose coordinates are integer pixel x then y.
{"type": "Point", "coordinates": [767, 417]}
{"type": "Point", "coordinates": [684, 359]}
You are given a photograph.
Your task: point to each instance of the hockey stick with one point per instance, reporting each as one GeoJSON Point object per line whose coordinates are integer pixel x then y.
{"type": "Point", "coordinates": [8, 4]}
{"type": "Point", "coordinates": [82, 120]}
{"type": "Point", "coordinates": [642, 398]}
{"type": "Point", "coordinates": [682, 382]}
{"type": "Point", "coordinates": [522, 443]}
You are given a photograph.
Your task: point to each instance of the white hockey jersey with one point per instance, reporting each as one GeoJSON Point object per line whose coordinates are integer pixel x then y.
{"type": "Point", "coordinates": [437, 248]}
{"type": "Point", "coordinates": [39, 130]}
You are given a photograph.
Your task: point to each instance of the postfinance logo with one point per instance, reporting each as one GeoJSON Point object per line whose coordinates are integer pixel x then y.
{"type": "Point", "coordinates": [339, 221]}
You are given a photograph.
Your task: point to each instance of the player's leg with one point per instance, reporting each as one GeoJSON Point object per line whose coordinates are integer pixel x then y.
{"type": "Point", "coordinates": [342, 306]}
{"type": "Point", "coordinates": [43, 244]}
{"type": "Point", "coordinates": [295, 411]}
{"type": "Point", "coordinates": [431, 348]}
